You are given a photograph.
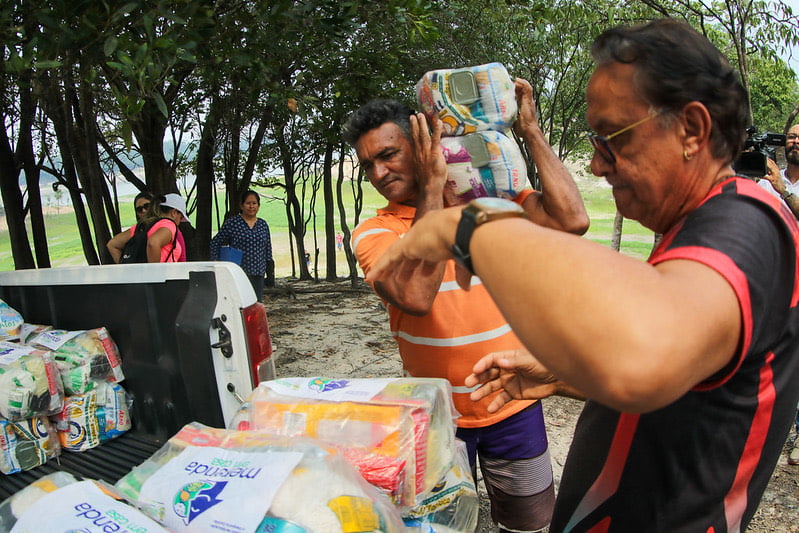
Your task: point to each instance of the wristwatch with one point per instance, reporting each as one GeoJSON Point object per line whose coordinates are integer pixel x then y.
{"type": "Point", "coordinates": [478, 212]}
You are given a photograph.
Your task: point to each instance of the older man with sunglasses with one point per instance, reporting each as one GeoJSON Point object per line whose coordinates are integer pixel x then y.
{"type": "Point", "coordinates": [690, 360]}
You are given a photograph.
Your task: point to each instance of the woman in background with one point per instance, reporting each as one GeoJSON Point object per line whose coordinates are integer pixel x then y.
{"type": "Point", "coordinates": [249, 234]}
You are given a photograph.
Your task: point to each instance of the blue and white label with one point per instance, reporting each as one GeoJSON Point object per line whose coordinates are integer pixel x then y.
{"type": "Point", "coordinates": [331, 390]}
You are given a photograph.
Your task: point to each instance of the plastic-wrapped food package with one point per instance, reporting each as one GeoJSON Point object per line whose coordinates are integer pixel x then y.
{"type": "Point", "coordinates": [208, 479]}
{"type": "Point", "coordinates": [30, 331]}
{"type": "Point", "coordinates": [60, 502]}
{"type": "Point", "coordinates": [10, 322]}
{"type": "Point", "coordinates": [453, 504]}
{"type": "Point", "coordinates": [29, 382]}
{"type": "Point", "coordinates": [83, 357]}
{"type": "Point", "coordinates": [90, 419]}
{"type": "Point", "coordinates": [469, 99]}
{"type": "Point", "coordinates": [398, 433]}
{"type": "Point", "coordinates": [486, 163]}
{"type": "Point", "coordinates": [26, 444]}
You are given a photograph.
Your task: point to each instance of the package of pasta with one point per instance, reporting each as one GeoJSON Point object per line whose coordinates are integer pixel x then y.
{"type": "Point", "coordinates": [10, 322]}
{"type": "Point", "coordinates": [486, 163]}
{"type": "Point", "coordinates": [469, 99]}
{"type": "Point", "coordinates": [208, 479]}
{"type": "Point", "coordinates": [398, 433]}
{"type": "Point", "coordinates": [83, 357]}
{"type": "Point", "coordinates": [26, 444]}
{"type": "Point", "coordinates": [61, 502]}
{"type": "Point", "coordinates": [29, 382]}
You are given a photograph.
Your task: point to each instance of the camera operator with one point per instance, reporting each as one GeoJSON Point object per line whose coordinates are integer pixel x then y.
{"type": "Point", "coordinates": [785, 184]}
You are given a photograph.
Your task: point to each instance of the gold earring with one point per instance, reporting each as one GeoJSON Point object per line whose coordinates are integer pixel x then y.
{"type": "Point", "coordinates": [685, 155]}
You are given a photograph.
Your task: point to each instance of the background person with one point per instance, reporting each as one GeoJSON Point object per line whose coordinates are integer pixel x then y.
{"type": "Point", "coordinates": [785, 184]}
{"type": "Point", "coordinates": [442, 330]}
{"type": "Point", "coordinates": [250, 234]}
{"type": "Point", "coordinates": [116, 245]}
{"type": "Point", "coordinates": [690, 359]}
{"type": "Point", "coordinates": [164, 242]}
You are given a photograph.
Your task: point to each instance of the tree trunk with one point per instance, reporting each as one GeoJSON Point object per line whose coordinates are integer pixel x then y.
{"type": "Point", "coordinates": [330, 220]}
{"type": "Point", "coordinates": [618, 222]}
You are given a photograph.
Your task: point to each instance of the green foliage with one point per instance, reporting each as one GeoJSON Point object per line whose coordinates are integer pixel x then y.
{"type": "Point", "coordinates": [774, 92]}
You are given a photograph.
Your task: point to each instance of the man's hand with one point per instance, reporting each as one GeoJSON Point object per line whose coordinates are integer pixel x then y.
{"type": "Point", "coordinates": [527, 116]}
{"type": "Point", "coordinates": [518, 375]}
{"type": "Point", "coordinates": [431, 168]}
{"type": "Point", "coordinates": [775, 177]}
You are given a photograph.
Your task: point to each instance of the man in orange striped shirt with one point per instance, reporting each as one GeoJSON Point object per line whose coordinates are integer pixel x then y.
{"type": "Point", "coordinates": [442, 330]}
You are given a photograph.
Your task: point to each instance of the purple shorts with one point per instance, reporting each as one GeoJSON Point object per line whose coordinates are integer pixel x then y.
{"type": "Point", "coordinates": [514, 460]}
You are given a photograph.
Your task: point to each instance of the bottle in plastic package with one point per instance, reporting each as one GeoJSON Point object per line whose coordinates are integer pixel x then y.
{"type": "Point", "coordinates": [469, 99]}
{"type": "Point", "coordinates": [485, 163]}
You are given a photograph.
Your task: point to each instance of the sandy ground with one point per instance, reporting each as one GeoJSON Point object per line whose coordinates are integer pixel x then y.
{"type": "Point", "coordinates": [333, 330]}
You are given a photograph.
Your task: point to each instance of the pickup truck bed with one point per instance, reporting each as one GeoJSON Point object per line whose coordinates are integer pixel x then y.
{"type": "Point", "coordinates": [182, 334]}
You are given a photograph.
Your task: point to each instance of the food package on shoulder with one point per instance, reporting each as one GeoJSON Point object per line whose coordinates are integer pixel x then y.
{"type": "Point", "coordinates": [30, 384]}
{"type": "Point", "coordinates": [469, 99]}
{"type": "Point", "coordinates": [59, 501]}
{"type": "Point", "coordinates": [453, 505]}
{"type": "Point", "coordinates": [10, 322]}
{"type": "Point", "coordinates": [398, 433]}
{"type": "Point", "coordinates": [208, 479]}
{"type": "Point", "coordinates": [26, 444]}
{"type": "Point", "coordinates": [83, 357]}
{"type": "Point", "coordinates": [486, 163]}
{"type": "Point", "coordinates": [94, 417]}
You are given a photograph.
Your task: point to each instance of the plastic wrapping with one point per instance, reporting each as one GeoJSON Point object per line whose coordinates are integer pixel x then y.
{"type": "Point", "coordinates": [83, 357]}
{"type": "Point", "coordinates": [29, 382]}
{"type": "Point", "coordinates": [398, 433]}
{"type": "Point", "coordinates": [469, 99]}
{"type": "Point", "coordinates": [10, 322]}
{"type": "Point", "coordinates": [90, 419]}
{"type": "Point", "coordinates": [453, 505]}
{"type": "Point", "coordinates": [26, 444]}
{"type": "Point", "coordinates": [73, 505]}
{"type": "Point", "coordinates": [486, 163]}
{"type": "Point", "coordinates": [207, 479]}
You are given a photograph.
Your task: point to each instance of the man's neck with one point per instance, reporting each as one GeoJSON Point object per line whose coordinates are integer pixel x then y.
{"type": "Point", "coordinates": [792, 172]}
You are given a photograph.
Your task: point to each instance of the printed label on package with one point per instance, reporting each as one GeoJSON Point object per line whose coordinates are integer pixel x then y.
{"type": "Point", "coordinates": [10, 352]}
{"type": "Point", "coordinates": [53, 339]}
{"type": "Point", "coordinates": [331, 390]}
{"type": "Point", "coordinates": [215, 489]}
{"type": "Point", "coordinates": [83, 507]}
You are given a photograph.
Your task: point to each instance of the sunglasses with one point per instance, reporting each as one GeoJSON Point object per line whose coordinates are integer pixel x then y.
{"type": "Point", "coordinates": [142, 208]}
{"type": "Point", "coordinates": [601, 144]}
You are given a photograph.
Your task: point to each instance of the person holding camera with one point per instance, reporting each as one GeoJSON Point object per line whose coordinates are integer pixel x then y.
{"type": "Point", "coordinates": [689, 360]}
{"type": "Point", "coordinates": [441, 329]}
{"type": "Point", "coordinates": [785, 184]}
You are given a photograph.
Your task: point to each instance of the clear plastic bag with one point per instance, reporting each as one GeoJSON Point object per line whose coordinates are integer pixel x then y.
{"type": "Point", "coordinates": [205, 478]}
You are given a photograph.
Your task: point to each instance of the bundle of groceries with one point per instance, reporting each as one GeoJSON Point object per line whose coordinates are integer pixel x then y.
{"type": "Point", "coordinates": [207, 479]}
{"type": "Point", "coordinates": [60, 498]}
{"type": "Point", "coordinates": [477, 107]}
{"type": "Point", "coordinates": [398, 433]}
{"type": "Point", "coordinates": [59, 390]}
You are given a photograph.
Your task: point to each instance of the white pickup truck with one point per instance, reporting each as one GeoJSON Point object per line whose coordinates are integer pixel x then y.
{"type": "Point", "coordinates": [193, 339]}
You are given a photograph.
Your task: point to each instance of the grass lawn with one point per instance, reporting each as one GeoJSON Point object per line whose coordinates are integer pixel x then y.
{"type": "Point", "coordinates": [65, 247]}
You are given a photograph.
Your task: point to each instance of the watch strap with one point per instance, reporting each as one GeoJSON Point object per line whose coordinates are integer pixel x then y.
{"type": "Point", "coordinates": [463, 236]}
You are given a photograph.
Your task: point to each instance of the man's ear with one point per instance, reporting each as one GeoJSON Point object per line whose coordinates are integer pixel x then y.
{"type": "Point", "coordinates": [696, 124]}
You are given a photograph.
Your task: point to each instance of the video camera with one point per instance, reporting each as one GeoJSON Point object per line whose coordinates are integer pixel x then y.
{"type": "Point", "coordinates": [752, 162]}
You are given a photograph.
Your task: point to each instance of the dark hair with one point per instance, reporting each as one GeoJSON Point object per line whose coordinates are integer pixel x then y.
{"type": "Point", "coordinates": [676, 65]}
{"type": "Point", "coordinates": [147, 195]}
{"type": "Point", "coordinates": [373, 115]}
{"type": "Point", "coordinates": [246, 194]}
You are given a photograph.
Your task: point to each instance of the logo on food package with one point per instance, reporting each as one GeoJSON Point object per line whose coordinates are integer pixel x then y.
{"type": "Point", "coordinates": [197, 497]}
{"type": "Point", "coordinates": [325, 385]}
